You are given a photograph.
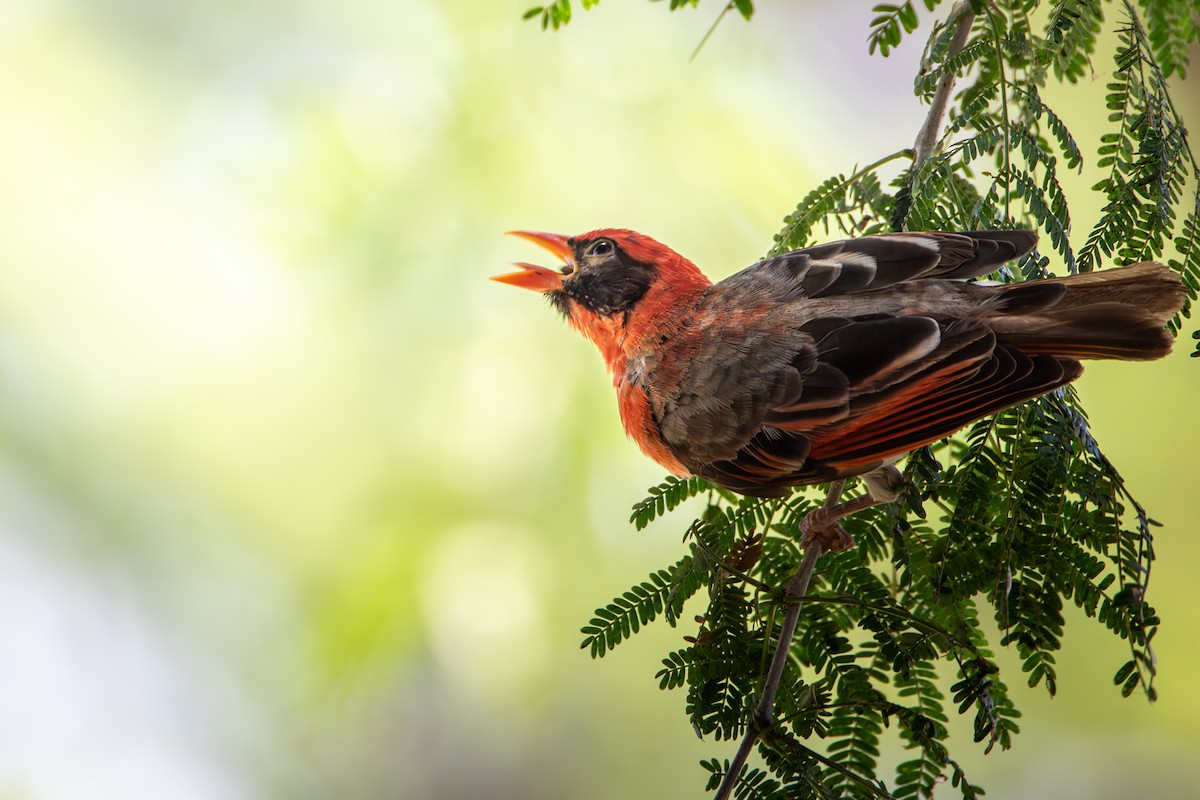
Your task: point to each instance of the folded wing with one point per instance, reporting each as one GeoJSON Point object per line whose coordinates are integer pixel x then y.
{"type": "Point", "coordinates": [829, 384]}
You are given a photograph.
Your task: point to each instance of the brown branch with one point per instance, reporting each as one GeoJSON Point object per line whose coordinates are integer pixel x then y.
{"type": "Point", "coordinates": [763, 718]}
{"type": "Point", "coordinates": [928, 135]}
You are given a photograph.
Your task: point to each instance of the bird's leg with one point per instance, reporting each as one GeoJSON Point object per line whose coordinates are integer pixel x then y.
{"type": "Point", "coordinates": [883, 485]}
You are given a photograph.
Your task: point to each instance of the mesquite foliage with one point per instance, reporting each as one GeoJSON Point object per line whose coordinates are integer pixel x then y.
{"type": "Point", "coordinates": [1013, 519]}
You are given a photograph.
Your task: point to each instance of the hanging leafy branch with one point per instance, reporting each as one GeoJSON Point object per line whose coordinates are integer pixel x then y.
{"type": "Point", "coordinates": [558, 13]}
{"type": "Point", "coordinates": [891, 23]}
{"type": "Point", "coordinates": [1017, 517]}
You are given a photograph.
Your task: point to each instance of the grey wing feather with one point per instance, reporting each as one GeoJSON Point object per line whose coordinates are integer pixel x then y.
{"type": "Point", "coordinates": [876, 262]}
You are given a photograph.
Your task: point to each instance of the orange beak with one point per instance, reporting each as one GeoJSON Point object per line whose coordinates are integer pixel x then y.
{"type": "Point", "coordinates": [541, 279]}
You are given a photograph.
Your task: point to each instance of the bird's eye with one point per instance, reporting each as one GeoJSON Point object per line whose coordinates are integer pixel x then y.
{"type": "Point", "coordinates": [600, 247]}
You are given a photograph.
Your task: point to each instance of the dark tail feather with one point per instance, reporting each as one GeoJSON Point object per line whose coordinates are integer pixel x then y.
{"type": "Point", "coordinates": [1116, 313]}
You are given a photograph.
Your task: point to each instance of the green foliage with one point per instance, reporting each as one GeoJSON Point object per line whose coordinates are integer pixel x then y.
{"type": "Point", "coordinates": [1015, 518]}
{"type": "Point", "coordinates": [888, 22]}
{"type": "Point", "coordinates": [1147, 157]}
{"type": "Point", "coordinates": [663, 591]}
{"type": "Point", "coordinates": [665, 497]}
{"type": "Point", "coordinates": [1187, 264]}
{"type": "Point", "coordinates": [1071, 38]}
{"type": "Point", "coordinates": [1172, 26]}
{"type": "Point", "coordinates": [558, 13]}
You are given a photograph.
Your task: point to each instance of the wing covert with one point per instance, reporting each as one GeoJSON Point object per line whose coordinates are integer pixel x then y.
{"type": "Point", "coordinates": [870, 263]}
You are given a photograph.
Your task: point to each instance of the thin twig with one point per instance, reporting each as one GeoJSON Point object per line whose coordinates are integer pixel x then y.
{"type": "Point", "coordinates": [763, 717]}
{"type": "Point", "coordinates": [764, 713]}
{"type": "Point", "coordinates": [928, 134]}
{"type": "Point", "coordinates": [797, 587]}
{"type": "Point", "coordinates": [728, 7]}
{"type": "Point", "coordinates": [1007, 122]}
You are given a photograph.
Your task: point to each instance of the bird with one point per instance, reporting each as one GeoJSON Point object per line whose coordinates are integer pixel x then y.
{"type": "Point", "coordinates": [834, 361]}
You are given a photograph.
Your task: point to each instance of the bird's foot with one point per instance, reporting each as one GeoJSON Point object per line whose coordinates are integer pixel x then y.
{"type": "Point", "coordinates": [822, 524]}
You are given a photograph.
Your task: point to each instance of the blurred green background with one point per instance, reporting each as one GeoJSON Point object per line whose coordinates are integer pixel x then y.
{"type": "Point", "coordinates": [295, 503]}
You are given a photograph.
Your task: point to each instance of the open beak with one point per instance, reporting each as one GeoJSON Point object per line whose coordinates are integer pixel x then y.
{"type": "Point", "coordinates": [541, 279]}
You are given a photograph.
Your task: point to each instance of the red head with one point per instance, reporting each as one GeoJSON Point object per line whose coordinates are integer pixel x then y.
{"type": "Point", "coordinates": [614, 283]}
{"type": "Point", "coordinates": [605, 272]}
